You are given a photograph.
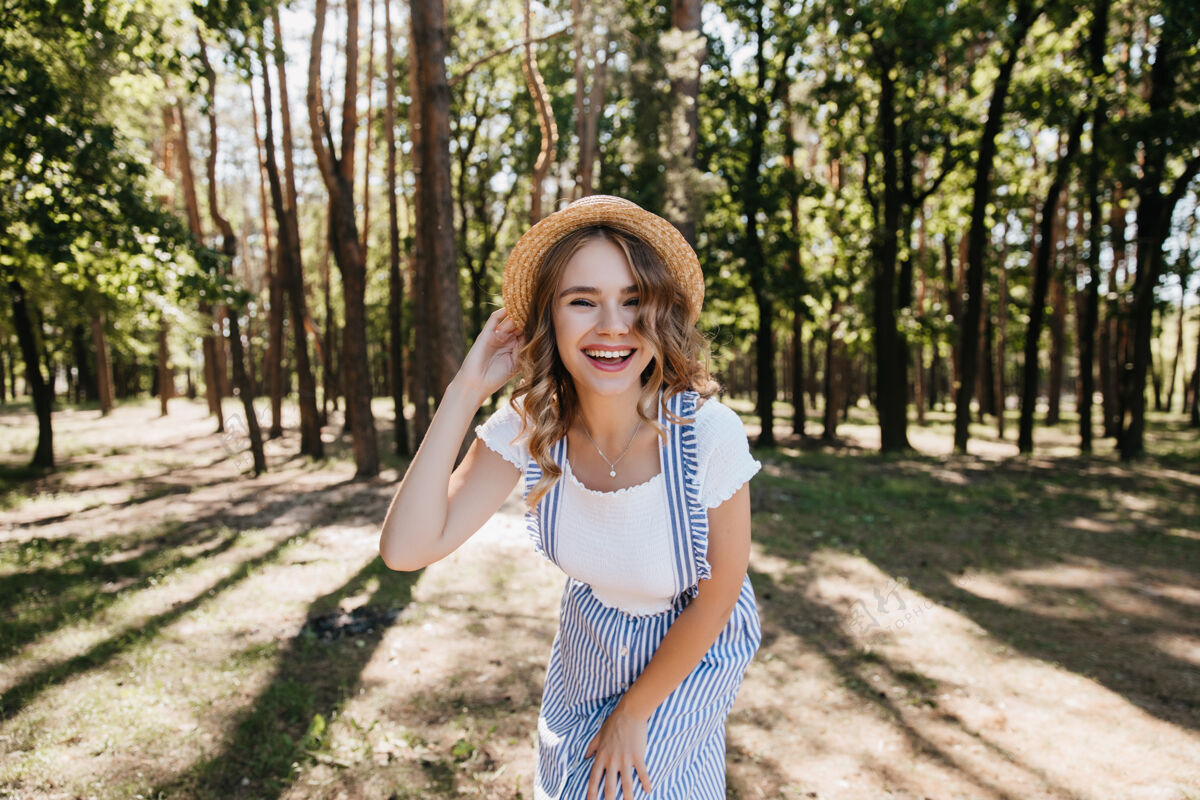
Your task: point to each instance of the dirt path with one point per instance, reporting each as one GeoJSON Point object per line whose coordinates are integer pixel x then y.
{"type": "Point", "coordinates": [195, 669]}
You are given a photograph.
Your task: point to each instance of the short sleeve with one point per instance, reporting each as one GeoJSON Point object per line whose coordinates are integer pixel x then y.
{"type": "Point", "coordinates": [500, 430]}
{"type": "Point", "coordinates": [723, 453]}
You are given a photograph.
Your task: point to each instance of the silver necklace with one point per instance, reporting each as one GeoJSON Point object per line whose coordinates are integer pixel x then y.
{"type": "Point", "coordinates": [612, 465]}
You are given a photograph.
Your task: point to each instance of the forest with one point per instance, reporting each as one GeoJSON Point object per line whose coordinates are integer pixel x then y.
{"type": "Point", "coordinates": [908, 206]}
{"type": "Point", "coordinates": [950, 253]}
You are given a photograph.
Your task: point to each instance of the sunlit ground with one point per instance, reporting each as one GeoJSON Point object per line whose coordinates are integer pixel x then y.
{"type": "Point", "coordinates": [941, 626]}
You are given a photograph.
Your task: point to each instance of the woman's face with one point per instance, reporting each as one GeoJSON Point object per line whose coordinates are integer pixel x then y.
{"type": "Point", "coordinates": [595, 306]}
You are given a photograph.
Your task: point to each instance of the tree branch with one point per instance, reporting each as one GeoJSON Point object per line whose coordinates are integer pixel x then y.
{"type": "Point", "coordinates": [502, 51]}
{"type": "Point", "coordinates": [317, 118]}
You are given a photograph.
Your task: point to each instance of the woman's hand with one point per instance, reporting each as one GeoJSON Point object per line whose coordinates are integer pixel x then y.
{"type": "Point", "coordinates": [492, 360]}
{"type": "Point", "coordinates": [620, 748]}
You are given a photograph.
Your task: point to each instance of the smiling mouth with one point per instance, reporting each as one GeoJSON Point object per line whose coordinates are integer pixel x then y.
{"type": "Point", "coordinates": [611, 361]}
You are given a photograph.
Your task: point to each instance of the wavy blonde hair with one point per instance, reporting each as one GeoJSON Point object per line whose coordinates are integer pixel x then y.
{"type": "Point", "coordinates": [681, 352]}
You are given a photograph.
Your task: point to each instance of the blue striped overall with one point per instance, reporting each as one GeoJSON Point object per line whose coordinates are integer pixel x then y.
{"type": "Point", "coordinates": [599, 650]}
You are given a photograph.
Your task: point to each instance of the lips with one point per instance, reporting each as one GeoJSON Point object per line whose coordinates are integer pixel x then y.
{"type": "Point", "coordinates": [610, 366]}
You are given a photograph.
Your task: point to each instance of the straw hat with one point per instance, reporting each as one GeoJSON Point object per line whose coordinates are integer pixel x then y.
{"type": "Point", "coordinates": [599, 209]}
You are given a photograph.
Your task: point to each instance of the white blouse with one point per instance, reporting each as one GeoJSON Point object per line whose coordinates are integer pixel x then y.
{"type": "Point", "coordinates": [619, 542]}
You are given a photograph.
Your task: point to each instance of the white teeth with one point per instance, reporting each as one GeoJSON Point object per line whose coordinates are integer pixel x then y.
{"type": "Point", "coordinates": [608, 353]}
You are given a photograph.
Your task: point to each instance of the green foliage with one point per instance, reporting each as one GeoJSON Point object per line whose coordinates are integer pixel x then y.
{"type": "Point", "coordinates": [83, 86]}
{"type": "Point", "coordinates": [80, 225]}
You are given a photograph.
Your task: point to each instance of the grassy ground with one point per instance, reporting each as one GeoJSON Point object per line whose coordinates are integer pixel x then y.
{"type": "Point", "coordinates": [935, 625]}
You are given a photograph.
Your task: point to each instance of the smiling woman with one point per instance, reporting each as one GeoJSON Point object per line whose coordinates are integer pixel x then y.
{"type": "Point", "coordinates": [658, 618]}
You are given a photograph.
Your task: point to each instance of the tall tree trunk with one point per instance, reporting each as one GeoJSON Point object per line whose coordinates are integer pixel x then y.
{"type": "Point", "coordinates": [435, 258]}
{"type": "Point", "coordinates": [467, 135]}
{"type": "Point", "coordinates": [590, 45]}
{"type": "Point", "coordinates": [977, 236]}
{"type": "Point", "coordinates": [1058, 316]}
{"type": "Point", "coordinates": [918, 384]}
{"type": "Point", "coordinates": [1091, 190]}
{"type": "Point", "coordinates": [1154, 212]}
{"type": "Point", "coordinates": [756, 260]}
{"type": "Point", "coordinates": [541, 100]}
{"type": "Point", "coordinates": [799, 411]}
{"type": "Point", "coordinates": [293, 274]}
{"type": "Point", "coordinates": [1184, 278]}
{"type": "Point", "coordinates": [395, 281]}
{"type": "Point", "coordinates": [891, 352]}
{"type": "Point", "coordinates": [983, 386]}
{"type": "Point", "coordinates": [48, 353]}
{"type": "Point", "coordinates": [275, 341]}
{"type": "Point", "coordinates": [1194, 416]}
{"type": "Point", "coordinates": [953, 277]}
{"type": "Point", "coordinates": [832, 378]}
{"type": "Point", "coordinates": [1041, 282]}
{"type": "Point", "coordinates": [252, 285]}
{"type": "Point", "coordinates": [223, 370]}
{"type": "Point", "coordinates": [1112, 329]}
{"type": "Point", "coordinates": [1091, 303]}
{"type": "Point", "coordinates": [684, 200]}
{"type": "Point", "coordinates": [85, 384]}
{"type": "Point", "coordinates": [367, 128]}
{"type": "Point", "coordinates": [795, 265]}
{"type": "Point", "coordinates": [274, 356]}
{"type": "Point", "coordinates": [337, 171]}
{"type": "Point", "coordinates": [104, 371]}
{"type": "Point", "coordinates": [291, 267]}
{"type": "Point", "coordinates": [229, 250]}
{"type": "Point", "coordinates": [43, 401]}
{"type": "Point", "coordinates": [213, 391]}
{"type": "Point", "coordinates": [812, 386]}
{"type": "Point", "coordinates": [421, 366]}
{"type": "Point", "coordinates": [330, 379]}
{"type": "Point", "coordinates": [166, 375]}
{"type": "Point", "coordinates": [1156, 377]}
{"type": "Point", "coordinates": [1000, 388]}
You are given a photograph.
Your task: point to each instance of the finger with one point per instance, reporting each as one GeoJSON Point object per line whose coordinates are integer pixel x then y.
{"type": "Point", "coordinates": [499, 317]}
{"type": "Point", "coordinates": [610, 784]}
{"type": "Point", "coordinates": [627, 781]}
{"type": "Point", "coordinates": [591, 747]}
{"type": "Point", "coordinates": [644, 774]}
{"type": "Point", "coordinates": [594, 782]}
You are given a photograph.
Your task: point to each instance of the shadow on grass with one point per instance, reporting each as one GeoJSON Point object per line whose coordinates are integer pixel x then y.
{"type": "Point", "coordinates": [88, 579]}
{"type": "Point", "coordinates": [17, 697]}
{"type": "Point", "coordinates": [156, 488]}
{"type": "Point", "coordinates": [37, 599]}
{"type": "Point", "coordinates": [1122, 531]}
{"type": "Point", "coordinates": [325, 499]}
{"type": "Point", "coordinates": [792, 609]}
{"type": "Point", "coordinates": [289, 720]}
{"type": "Point", "coordinates": [15, 480]}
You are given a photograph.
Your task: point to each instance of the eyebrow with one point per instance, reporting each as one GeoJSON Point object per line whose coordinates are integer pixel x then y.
{"type": "Point", "coordinates": [593, 290]}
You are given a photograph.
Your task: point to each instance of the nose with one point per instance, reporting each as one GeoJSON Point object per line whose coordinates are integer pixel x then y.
{"type": "Point", "coordinates": [615, 318]}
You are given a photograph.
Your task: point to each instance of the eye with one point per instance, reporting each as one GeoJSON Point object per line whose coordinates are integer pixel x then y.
{"type": "Point", "coordinates": [587, 303]}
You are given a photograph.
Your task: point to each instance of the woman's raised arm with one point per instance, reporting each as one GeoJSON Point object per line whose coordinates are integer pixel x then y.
{"type": "Point", "coordinates": [434, 510]}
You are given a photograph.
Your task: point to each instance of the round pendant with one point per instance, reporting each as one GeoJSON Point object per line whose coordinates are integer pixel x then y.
{"type": "Point", "coordinates": [612, 473]}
